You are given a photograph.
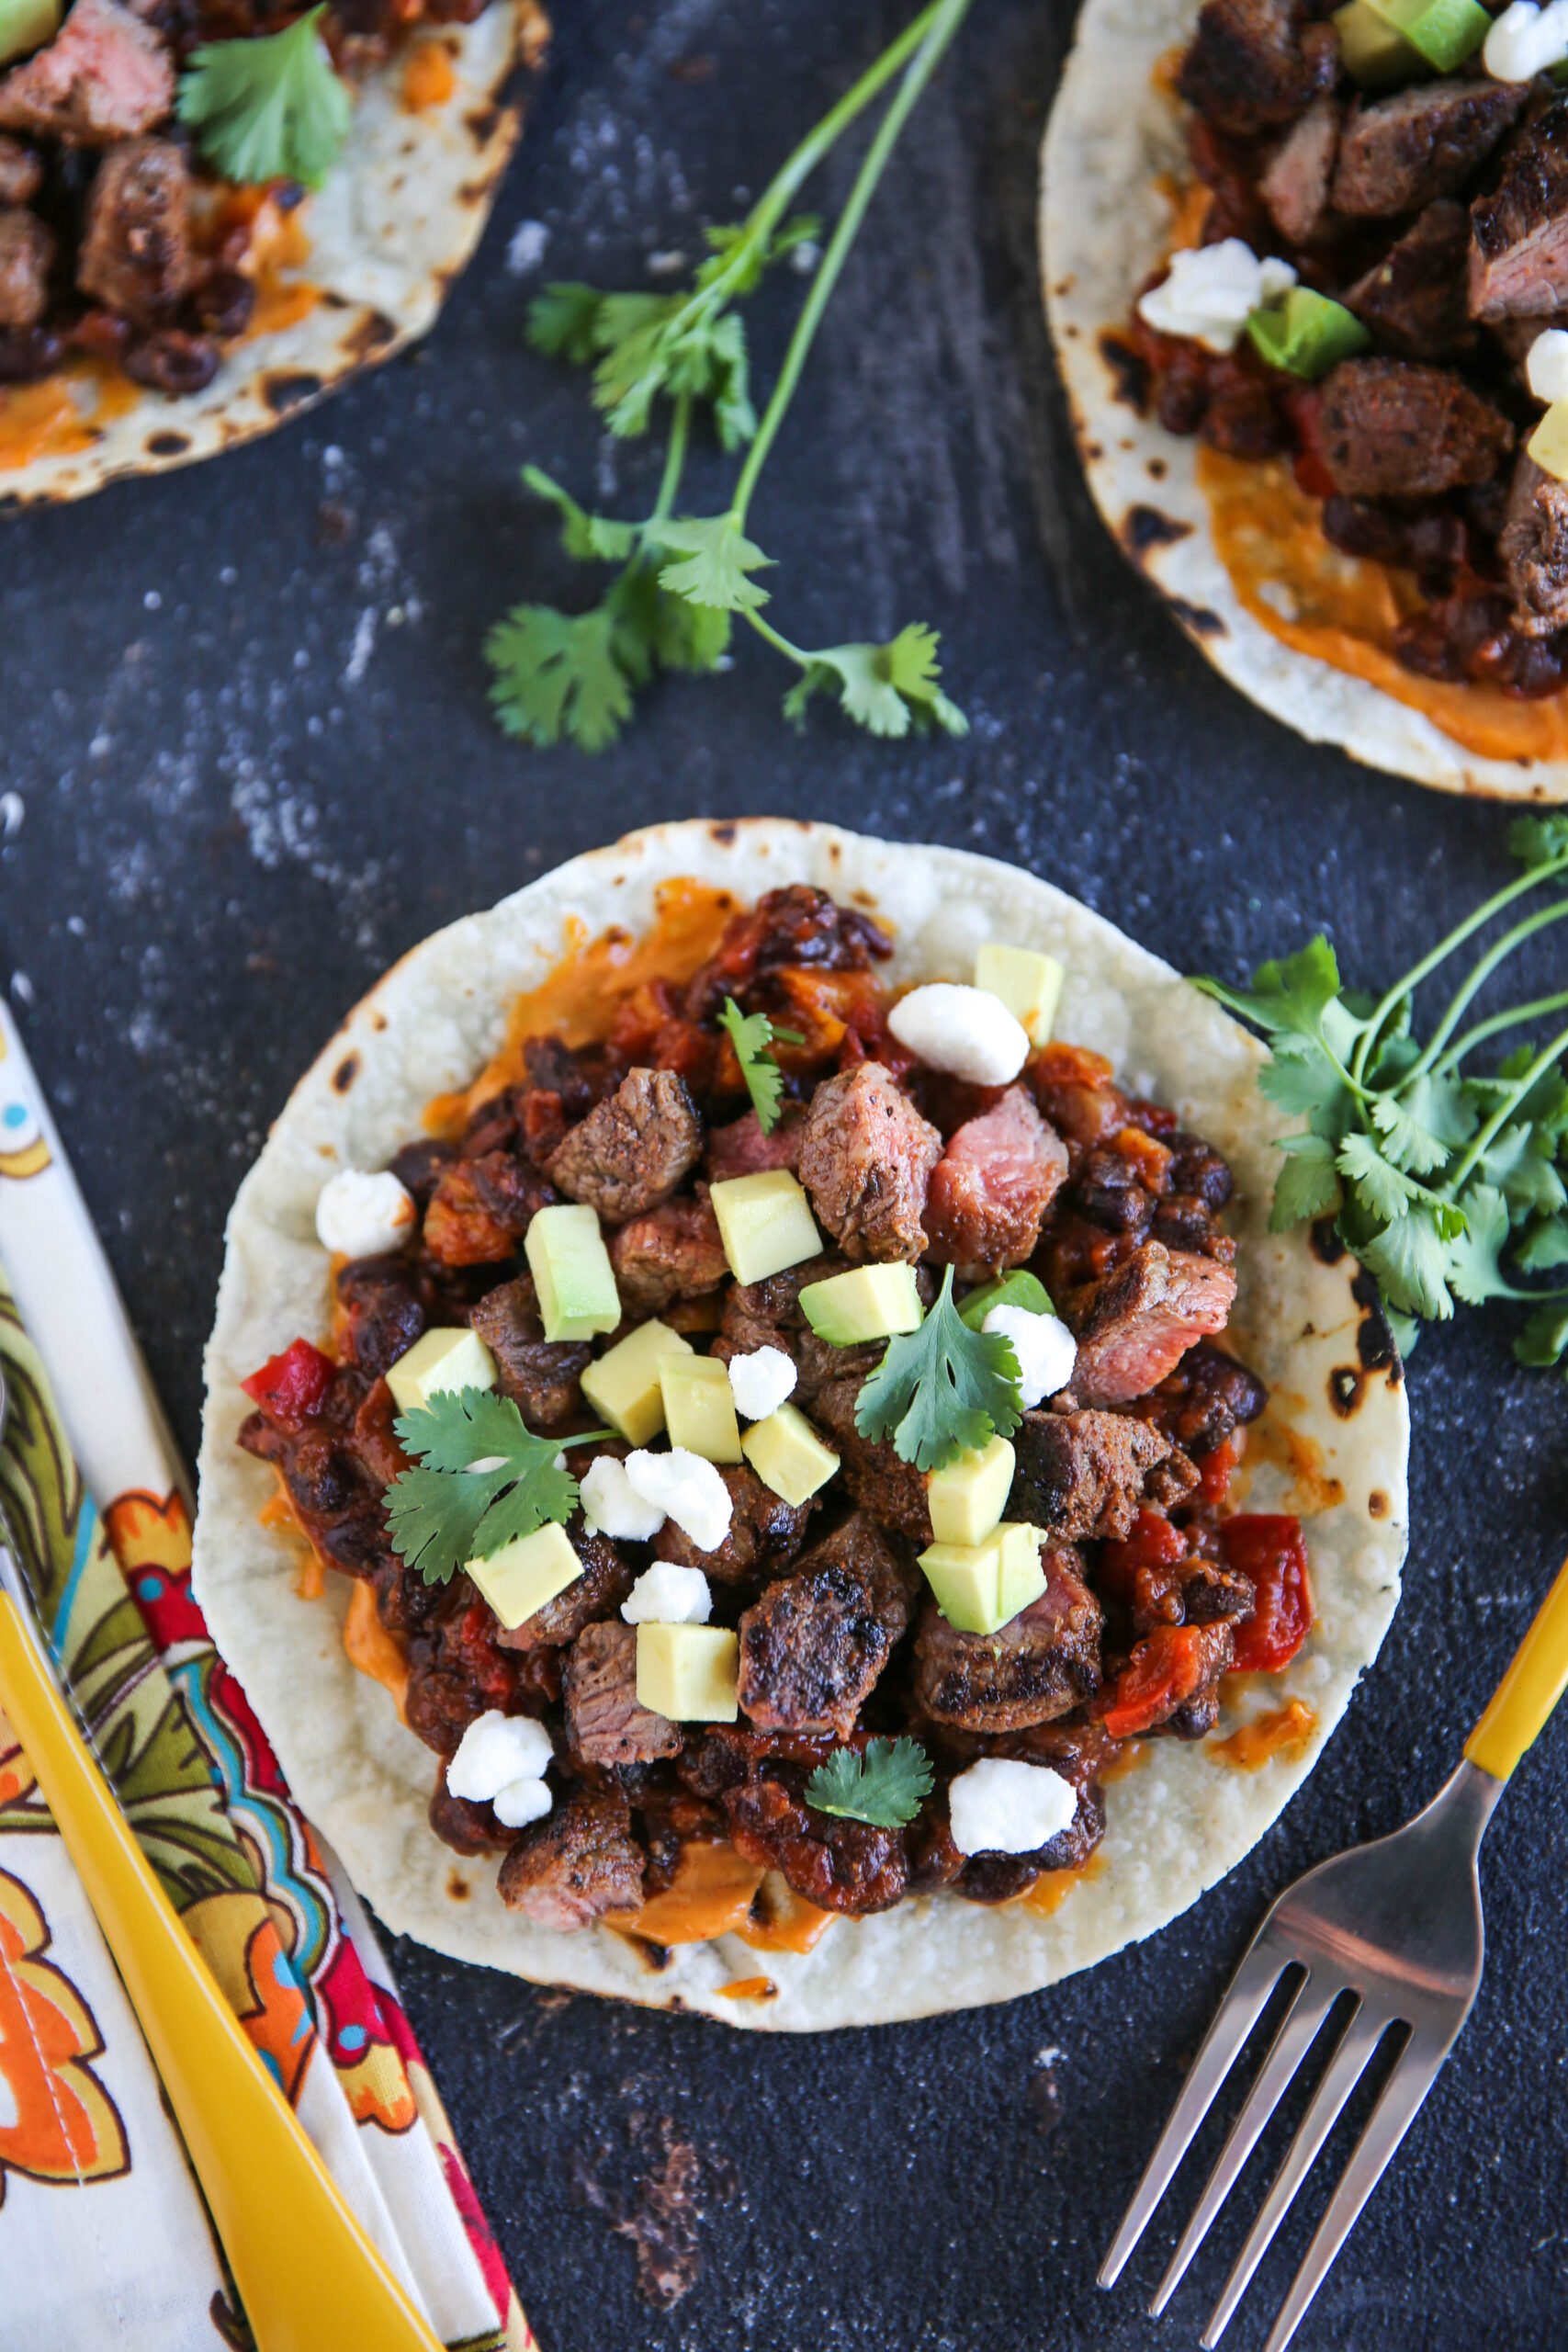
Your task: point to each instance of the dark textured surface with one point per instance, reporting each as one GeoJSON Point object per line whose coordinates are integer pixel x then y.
{"type": "Point", "coordinates": [244, 711]}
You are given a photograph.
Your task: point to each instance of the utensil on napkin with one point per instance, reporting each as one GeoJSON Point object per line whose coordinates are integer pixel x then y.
{"type": "Point", "coordinates": [1388, 1938]}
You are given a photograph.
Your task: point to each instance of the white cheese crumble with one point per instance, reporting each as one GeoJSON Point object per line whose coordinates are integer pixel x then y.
{"type": "Point", "coordinates": [1000, 1806]}
{"type": "Point", "coordinates": [500, 1760]}
{"type": "Point", "coordinates": [668, 1595]}
{"type": "Point", "coordinates": [359, 1215]}
{"type": "Point", "coordinates": [521, 1802]}
{"type": "Point", "coordinates": [687, 1489]}
{"type": "Point", "coordinates": [612, 1505]}
{"type": "Point", "coordinates": [1546, 370]}
{"type": "Point", "coordinates": [760, 1381]}
{"type": "Point", "coordinates": [1526, 40]}
{"type": "Point", "coordinates": [964, 1030]}
{"type": "Point", "coordinates": [1212, 290]}
{"type": "Point", "coordinates": [1045, 1349]}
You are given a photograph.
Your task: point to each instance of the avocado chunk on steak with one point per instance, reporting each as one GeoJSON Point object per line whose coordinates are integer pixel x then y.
{"type": "Point", "coordinates": [605, 1722]}
{"type": "Point", "coordinates": [1045, 1662]}
{"type": "Point", "coordinates": [542, 1376]}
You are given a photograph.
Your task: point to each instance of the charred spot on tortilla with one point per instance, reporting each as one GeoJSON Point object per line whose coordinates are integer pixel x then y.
{"type": "Point", "coordinates": [374, 332]}
{"type": "Point", "coordinates": [1129, 369]}
{"type": "Point", "coordinates": [168, 445]}
{"type": "Point", "coordinates": [1375, 1342]}
{"type": "Point", "coordinates": [1200, 619]}
{"type": "Point", "coordinates": [345, 1073]}
{"type": "Point", "coordinates": [481, 124]}
{"type": "Point", "coordinates": [285, 389]}
{"type": "Point", "coordinates": [1377, 1504]}
{"type": "Point", "coordinates": [723, 832]}
{"type": "Point", "coordinates": [1325, 1244]}
{"type": "Point", "coordinates": [1145, 527]}
{"type": "Point", "coordinates": [1344, 1387]}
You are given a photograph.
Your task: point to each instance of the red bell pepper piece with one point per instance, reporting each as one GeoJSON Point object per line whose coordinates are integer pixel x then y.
{"type": "Point", "coordinates": [1165, 1668]}
{"type": "Point", "coordinates": [289, 1388]}
{"type": "Point", "coordinates": [1273, 1552]}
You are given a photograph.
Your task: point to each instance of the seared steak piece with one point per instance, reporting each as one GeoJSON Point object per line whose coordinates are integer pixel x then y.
{"type": "Point", "coordinates": [1135, 1325]}
{"type": "Point", "coordinates": [21, 172]}
{"type": "Point", "coordinates": [1400, 154]}
{"type": "Point", "coordinates": [1255, 63]}
{"type": "Point", "coordinates": [376, 1447]}
{"type": "Point", "coordinates": [765, 1533]}
{"type": "Point", "coordinates": [578, 1863]}
{"type": "Point", "coordinates": [541, 1377]}
{"type": "Point", "coordinates": [1391, 429]}
{"type": "Point", "coordinates": [605, 1723]}
{"type": "Point", "coordinates": [1205, 1399]}
{"type": "Point", "coordinates": [481, 1209]}
{"type": "Point", "coordinates": [1414, 299]}
{"type": "Point", "coordinates": [992, 1186]}
{"type": "Point", "coordinates": [418, 1167]}
{"type": "Point", "coordinates": [136, 254]}
{"type": "Point", "coordinates": [839, 1865]}
{"type": "Point", "coordinates": [633, 1148]}
{"type": "Point", "coordinates": [859, 1548]}
{"type": "Point", "coordinates": [104, 77]}
{"type": "Point", "coordinates": [26, 253]}
{"type": "Point", "coordinates": [891, 1490]}
{"type": "Point", "coordinates": [1083, 1474]}
{"type": "Point", "coordinates": [1295, 185]}
{"type": "Point", "coordinates": [603, 1586]}
{"type": "Point", "coordinates": [811, 1650]}
{"type": "Point", "coordinates": [742, 1149]}
{"type": "Point", "coordinates": [796, 925]}
{"type": "Point", "coordinates": [382, 1310]}
{"type": "Point", "coordinates": [1534, 548]}
{"type": "Point", "coordinates": [1045, 1662]}
{"type": "Point", "coordinates": [467, 1827]}
{"type": "Point", "coordinates": [674, 1252]}
{"type": "Point", "coordinates": [866, 1158]}
{"type": "Point", "coordinates": [1518, 253]}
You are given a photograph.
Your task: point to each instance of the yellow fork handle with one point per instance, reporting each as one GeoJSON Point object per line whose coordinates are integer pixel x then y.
{"type": "Point", "coordinates": [309, 2279]}
{"type": "Point", "coordinates": [1528, 1691]}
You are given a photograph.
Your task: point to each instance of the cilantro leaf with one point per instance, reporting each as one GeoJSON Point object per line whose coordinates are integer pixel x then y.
{"type": "Point", "coordinates": [1308, 1185]}
{"type": "Point", "coordinates": [560, 674]}
{"type": "Point", "coordinates": [1411, 1260]}
{"type": "Point", "coordinates": [884, 688]}
{"type": "Point", "coordinates": [1544, 1247]}
{"type": "Point", "coordinates": [1303, 1080]}
{"type": "Point", "coordinates": [1544, 1340]}
{"type": "Point", "coordinates": [1476, 1272]}
{"type": "Point", "coordinates": [942, 1390]}
{"type": "Point", "coordinates": [1424, 1121]}
{"type": "Point", "coordinates": [719, 558]}
{"type": "Point", "coordinates": [1539, 842]}
{"type": "Point", "coordinates": [483, 1480]}
{"type": "Point", "coordinates": [1379, 1185]}
{"type": "Point", "coordinates": [1521, 1162]}
{"type": "Point", "coordinates": [268, 107]}
{"type": "Point", "coordinates": [563, 321]}
{"type": "Point", "coordinates": [590, 539]}
{"type": "Point", "coordinates": [751, 1034]}
{"type": "Point", "coordinates": [885, 1787]}
{"type": "Point", "coordinates": [1286, 998]}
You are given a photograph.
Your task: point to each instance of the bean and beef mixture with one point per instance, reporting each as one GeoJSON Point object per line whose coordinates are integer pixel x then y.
{"type": "Point", "coordinates": [1148, 1588]}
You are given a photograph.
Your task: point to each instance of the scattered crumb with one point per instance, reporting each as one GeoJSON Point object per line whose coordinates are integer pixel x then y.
{"type": "Point", "coordinates": [13, 808]}
{"type": "Point", "coordinates": [526, 248]}
{"type": "Point", "coordinates": [22, 988]}
{"type": "Point", "coordinates": [1045, 2099]}
{"type": "Point", "coordinates": [667, 2204]}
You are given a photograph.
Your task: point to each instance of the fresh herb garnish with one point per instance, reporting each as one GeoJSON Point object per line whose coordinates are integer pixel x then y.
{"type": "Point", "coordinates": [271, 108]}
{"type": "Point", "coordinates": [752, 1034]}
{"type": "Point", "coordinates": [1430, 1172]}
{"type": "Point", "coordinates": [484, 1480]}
{"type": "Point", "coordinates": [942, 1391]}
{"type": "Point", "coordinates": [884, 1787]}
{"type": "Point", "coordinates": [682, 579]}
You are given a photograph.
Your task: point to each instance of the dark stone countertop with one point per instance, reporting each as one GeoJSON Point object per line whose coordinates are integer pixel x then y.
{"type": "Point", "coordinates": [246, 715]}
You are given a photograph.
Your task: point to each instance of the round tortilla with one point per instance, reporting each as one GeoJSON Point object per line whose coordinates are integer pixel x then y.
{"type": "Point", "coordinates": [1335, 1450]}
{"type": "Point", "coordinates": [396, 222]}
{"type": "Point", "coordinates": [1114, 141]}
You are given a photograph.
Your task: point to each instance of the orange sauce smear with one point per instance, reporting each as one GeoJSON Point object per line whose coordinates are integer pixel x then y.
{"type": "Point", "coordinates": [63, 414]}
{"type": "Point", "coordinates": [1343, 610]}
{"type": "Point", "coordinates": [1282, 1731]}
{"type": "Point", "coordinates": [369, 1646]}
{"type": "Point", "coordinates": [750, 1988]}
{"type": "Point", "coordinates": [429, 77]}
{"type": "Point", "coordinates": [278, 1511]}
{"type": "Point", "coordinates": [781, 1920]}
{"type": "Point", "coordinates": [1051, 1888]}
{"type": "Point", "coordinates": [710, 1895]}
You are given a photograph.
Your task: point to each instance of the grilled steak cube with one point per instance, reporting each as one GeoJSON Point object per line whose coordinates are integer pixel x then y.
{"type": "Point", "coordinates": [1414, 299]}
{"type": "Point", "coordinates": [893, 1491]}
{"type": "Point", "coordinates": [1403, 151]}
{"type": "Point", "coordinates": [1045, 1662]}
{"type": "Point", "coordinates": [1518, 252]}
{"type": "Point", "coordinates": [1083, 1474]}
{"type": "Point", "coordinates": [992, 1186]}
{"type": "Point", "coordinates": [26, 254]}
{"type": "Point", "coordinates": [481, 1209]}
{"type": "Point", "coordinates": [136, 256]}
{"type": "Point", "coordinates": [742, 1149]}
{"type": "Point", "coordinates": [633, 1149]}
{"type": "Point", "coordinates": [765, 1533]}
{"type": "Point", "coordinates": [605, 1723]}
{"type": "Point", "coordinates": [382, 1310]}
{"type": "Point", "coordinates": [104, 77]}
{"type": "Point", "coordinates": [21, 172]}
{"type": "Point", "coordinates": [767, 1315]}
{"type": "Point", "coordinates": [578, 1863]}
{"type": "Point", "coordinates": [811, 1650]}
{"type": "Point", "coordinates": [1295, 185]}
{"type": "Point", "coordinates": [795, 925]}
{"type": "Point", "coordinates": [1255, 63]}
{"type": "Point", "coordinates": [467, 1827]}
{"type": "Point", "coordinates": [859, 1547]}
{"type": "Point", "coordinates": [674, 1252]}
{"type": "Point", "coordinates": [1205, 1399]}
{"type": "Point", "coordinates": [1392, 429]}
{"type": "Point", "coordinates": [866, 1157]}
{"type": "Point", "coordinates": [839, 1865]}
{"type": "Point", "coordinates": [542, 1377]}
{"type": "Point", "coordinates": [1534, 548]}
{"type": "Point", "coordinates": [1135, 1325]}
{"type": "Point", "coordinates": [604, 1583]}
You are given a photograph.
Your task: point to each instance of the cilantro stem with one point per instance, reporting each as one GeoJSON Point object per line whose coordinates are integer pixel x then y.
{"type": "Point", "coordinates": [674, 461]}
{"type": "Point", "coordinates": [1487, 1134]}
{"type": "Point", "coordinates": [1513, 1016]}
{"type": "Point", "coordinates": [780, 643]}
{"type": "Point", "coordinates": [1498, 952]}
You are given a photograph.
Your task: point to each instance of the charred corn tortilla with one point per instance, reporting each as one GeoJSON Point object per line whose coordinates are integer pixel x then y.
{"type": "Point", "coordinates": [1114, 147]}
{"type": "Point", "coordinates": [1177, 1822]}
{"type": "Point", "coordinates": [396, 222]}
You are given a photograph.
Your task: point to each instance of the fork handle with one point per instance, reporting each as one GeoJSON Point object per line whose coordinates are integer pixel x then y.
{"type": "Point", "coordinates": [1529, 1689]}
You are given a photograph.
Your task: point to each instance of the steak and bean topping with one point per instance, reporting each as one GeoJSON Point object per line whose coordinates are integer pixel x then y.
{"type": "Point", "coordinates": [804, 1626]}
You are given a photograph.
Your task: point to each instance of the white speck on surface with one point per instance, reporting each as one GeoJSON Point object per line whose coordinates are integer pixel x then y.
{"type": "Point", "coordinates": [804, 257]}
{"type": "Point", "coordinates": [22, 989]}
{"type": "Point", "coordinates": [667, 263]}
{"type": "Point", "coordinates": [153, 602]}
{"type": "Point", "coordinates": [77, 926]}
{"type": "Point", "coordinates": [526, 248]}
{"type": "Point", "coordinates": [13, 808]}
{"type": "Point", "coordinates": [361, 649]}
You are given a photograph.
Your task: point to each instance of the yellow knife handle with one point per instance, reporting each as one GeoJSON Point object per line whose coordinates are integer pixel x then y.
{"type": "Point", "coordinates": [309, 2279]}
{"type": "Point", "coordinates": [1528, 1691]}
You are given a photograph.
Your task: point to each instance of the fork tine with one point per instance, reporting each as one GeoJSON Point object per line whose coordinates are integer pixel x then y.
{"type": "Point", "coordinates": [1386, 2127]}
{"type": "Point", "coordinates": [1299, 2029]}
{"type": "Point", "coordinates": [1259, 1972]}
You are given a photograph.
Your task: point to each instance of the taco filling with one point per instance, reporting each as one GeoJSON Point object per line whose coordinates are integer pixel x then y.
{"type": "Point", "coordinates": [841, 1376]}
{"type": "Point", "coordinates": [1366, 323]}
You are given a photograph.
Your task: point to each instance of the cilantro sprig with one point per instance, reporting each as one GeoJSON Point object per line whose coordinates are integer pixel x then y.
{"type": "Point", "coordinates": [885, 1787]}
{"type": "Point", "coordinates": [269, 107]}
{"type": "Point", "coordinates": [1433, 1173]}
{"type": "Point", "coordinates": [752, 1034]}
{"type": "Point", "coordinates": [942, 1391]}
{"type": "Point", "coordinates": [483, 1480]}
{"type": "Point", "coordinates": [682, 580]}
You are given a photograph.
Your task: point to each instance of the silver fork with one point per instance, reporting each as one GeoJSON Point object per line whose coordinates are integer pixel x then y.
{"type": "Point", "coordinates": [1390, 1937]}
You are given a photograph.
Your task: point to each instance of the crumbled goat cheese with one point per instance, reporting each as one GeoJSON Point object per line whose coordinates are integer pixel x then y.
{"type": "Point", "coordinates": [1546, 370]}
{"type": "Point", "coordinates": [1526, 40]}
{"type": "Point", "coordinates": [964, 1030]}
{"type": "Point", "coordinates": [1212, 290]}
{"type": "Point", "coordinates": [999, 1806]}
{"type": "Point", "coordinates": [361, 1216]}
{"type": "Point", "coordinates": [1045, 1349]}
{"type": "Point", "coordinates": [612, 1505]}
{"type": "Point", "coordinates": [521, 1802]}
{"type": "Point", "coordinates": [668, 1595]}
{"type": "Point", "coordinates": [495, 1751]}
{"type": "Point", "coordinates": [687, 1489]}
{"type": "Point", "coordinates": [760, 1381]}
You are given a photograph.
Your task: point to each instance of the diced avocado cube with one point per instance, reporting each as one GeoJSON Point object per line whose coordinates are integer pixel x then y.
{"type": "Point", "coordinates": [787, 1455]}
{"type": "Point", "coordinates": [26, 25]}
{"type": "Point", "coordinates": [623, 1383]}
{"type": "Point", "coordinates": [1442, 32]}
{"type": "Point", "coordinates": [523, 1575]}
{"type": "Point", "coordinates": [868, 1303]}
{"type": "Point", "coordinates": [1022, 1579]}
{"type": "Point", "coordinates": [765, 1223]}
{"type": "Point", "coordinates": [1307, 334]}
{"type": "Point", "coordinates": [572, 1273]}
{"type": "Point", "coordinates": [1548, 445]}
{"type": "Point", "coordinates": [1020, 1289]}
{"type": "Point", "coordinates": [980, 1587]}
{"type": "Point", "coordinates": [450, 1356]}
{"type": "Point", "coordinates": [1027, 982]}
{"type": "Point", "coordinates": [1375, 55]}
{"type": "Point", "coordinates": [689, 1673]}
{"type": "Point", "coordinates": [699, 1406]}
{"type": "Point", "coordinates": [968, 1496]}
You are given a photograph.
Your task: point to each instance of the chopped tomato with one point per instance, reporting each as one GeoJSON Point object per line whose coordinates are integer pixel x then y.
{"type": "Point", "coordinates": [1273, 1552]}
{"type": "Point", "coordinates": [1165, 1668]}
{"type": "Point", "coordinates": [289, 1388]}
{"type": "Point", "coordinates": [1146, 1154]}
{"type": "Point", "coordinates": [1151, 1542]}
{"type": "Point", "coordinates": [1215, 1469]}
